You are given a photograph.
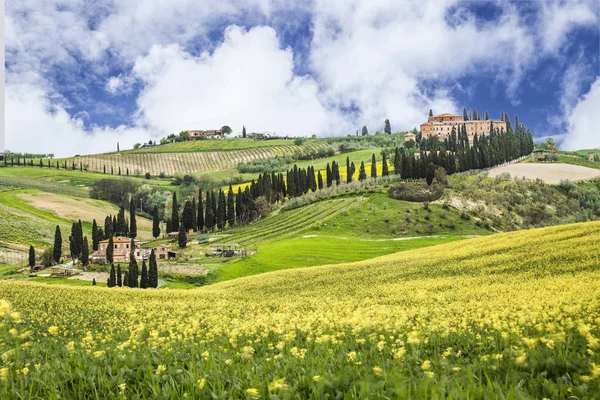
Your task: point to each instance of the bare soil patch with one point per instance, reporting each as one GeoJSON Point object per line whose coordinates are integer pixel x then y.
{"type": "Point", "coordinates": [549, 173]}
{"type": "Point", "coordinates": [84, 209]}
{"type": "Point", "coordinates": [90, 276]}
{"type": "Point", "coordinates": [183, 269]}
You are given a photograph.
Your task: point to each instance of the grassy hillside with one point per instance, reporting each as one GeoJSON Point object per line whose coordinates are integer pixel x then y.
{"type": "Point", "coordinates": [29, 217]}
{"type": "Point", "coordinates": [138, 163]}
{"type": "Point", "coordinates": [505, 316]}
{"type": "Point", "coordinates": [220, 145]}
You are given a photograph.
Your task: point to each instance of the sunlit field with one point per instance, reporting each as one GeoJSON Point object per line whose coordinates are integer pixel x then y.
{"type": "Point", "coordinates": [506, 316]}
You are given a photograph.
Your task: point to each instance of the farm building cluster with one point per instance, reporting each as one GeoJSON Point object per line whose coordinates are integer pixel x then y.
{"type": "Point", "coordinates": [122, 251]}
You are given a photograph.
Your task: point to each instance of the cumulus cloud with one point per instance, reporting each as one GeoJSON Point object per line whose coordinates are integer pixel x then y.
{"type": "Point", "coordinates": [583, 122]}
{"type": "Point", "coordinates": [35, 124]}
{"type": "Point", "coordinates": [248, 80]}
{"type": "Point", "coordinates": [367, 61]}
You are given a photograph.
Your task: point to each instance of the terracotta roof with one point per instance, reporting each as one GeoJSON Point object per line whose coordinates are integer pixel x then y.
{"type": "Point", "coordinates": [120, 239]}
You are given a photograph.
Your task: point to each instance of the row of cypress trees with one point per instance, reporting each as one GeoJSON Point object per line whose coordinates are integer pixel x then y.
{"type": "Point", "coordinates": [148, 278]}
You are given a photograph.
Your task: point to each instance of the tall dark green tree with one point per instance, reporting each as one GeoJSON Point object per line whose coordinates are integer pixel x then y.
{"type": "Point", "coordinates": [388, 128]}
{"type": "Point", "coordinates": [120, 228]}
{"type": "Point", "coordinates": [155, 223]}
{"type": "Point", "coordinates": [209, 216]}
{"type": "Point", "coordinates": [362, 174]}
{"type": "Point", "coordinates": [243, 131]}
{"type": "Point", "coordinates": [348, 171]}
{"type": "Point", "coordinates": [132, 220]}
{"type": "Point", "coordinates": [133, 266]}
{"type": "Point", "coordinates": [110, 250]}
{"type": "Point", "coordinates": [365, 131]}
{"type": "Point", "coordinates": [373, 166]}
{"type": "Point", "coordinates": [182, 237]}
{"type": "Point", "coordinates": [230, 207]}
{"type": "Point", "coordinates": [152, 271]}
{"type": "Point", "coordinates": [221, 211]}
{"type": "Point", "coordinates": [430, 112]}
{"type": "Point", "coordinates": [328, 176]}
{"type": "Point", "coordinates": [57, 248]}
{"type": "Point", "coordinates": [200, 217]}
{"type": "Point", "coordinates": [144, 279]}
{"type": "Point", "coordinates": [188, 216]}
{"type": "Point", "coordinates": [31, 256]}
{"type": "Point", "coordinates": [119, 276]}
{"type": "Point", "coordinates": [85, 253]}
{"type": "Point", "coordinates": [175, 214]}
{"type": "Point", "coordinates": [125, 279]}
{"type": "Point", "coordinates": [112, 280]}
{"type": "Point", "coordinates": [465, 114]}
{"type": "Point", "coordinates": [96, 238]}
{"type": "Point", "coordinates": [429, 173]}
{"type": "Point", "coordinates": [108, 227]}
{"type": "Point", "coordinates": [319, 180]}
{"type": "Point", "coordinates": [384, 165]}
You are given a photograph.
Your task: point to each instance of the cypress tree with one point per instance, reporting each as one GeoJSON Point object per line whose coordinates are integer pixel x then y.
{"type": "Point", "coordinates": [144, 281]}
{"type": "Point", "coordinates": [430, 112]}
{"type": "Point", "coordinates": [108, 227]}
{"type": "Point", "coordinates": [132, 220]}
{"type": "Point", "coordinates": [320, 180]}
{"type": "Point", "coordinates": [388, 128]}
{"type": "Point", "coordinates": [193, 215]}
{"type": "Point", "coordinates": [85, 252]}
{"type": "Point", "coordinates": [126, 279]}
{"type": "Point", "coordinates": [93, 281]}
{"type": "Point", "coordinates": [373, 167]}
{"type": "Point", "coordinates": [200, 218]}
{"type": "Point", "coordinates": [120, 228]}
{"type": "Point", "coordinates": [95, 236]}
{"type": "Point", "coordinates": [365, 131]}
{"type": "Point", "coordinates": [175, 214]}
{"type": "Point", "coordinates": [153, 271]}
{"type": "Point", "coordinates": [328, 176]}
{"type": "Point", "coordinates": [348, 171]}
{"type": "Point", "coordinates": [230, 207]}
{"type": "Point", "coordinates": [238, 206]}
{"type": "Point", "coordinates": [182, 237]}
{"type": "Point", "coordinates": [111, 276]}
{"type": "Point", "coordinates": [213, 208]}
{"type": "Point", "coordinates": [222, 211]}
{"type": "Point", "coordinates": [57, 248]}
{"type": "Point", "coordinates": [155, 223]}
{"type": "Point", "coordinates": [312, 179]}
{"type": "Point", "coordinates": [188, 216]}
{"type": "Point", "coordinates": [31, 256]}
{"type": "Point", "coordinates": [133, 267]}
{"type": "Point", "coordinates": [119, 276]}
{"type": "Point", "coordinates": [384, 167]}
{"type": "Point", "coordinates": [465, 115]}
{"type": "Point", "coordinates": [362, 175]}
{"type": "Point", "coordinates": [243, 131]}
{"type": "Point", "coordinates": [110, 250]}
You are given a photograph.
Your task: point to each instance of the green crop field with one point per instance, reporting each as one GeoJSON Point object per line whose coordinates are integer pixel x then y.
{"type": "Point", "coordinates": [506, 316]}
{"type": "Point", "coordinates": [220, 145]}
{"type": "Point", "coordinates": [155, 163]}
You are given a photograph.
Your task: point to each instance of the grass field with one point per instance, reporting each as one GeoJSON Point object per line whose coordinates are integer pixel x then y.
{"type": "Point", "coordinates": [220, 145]}
{"type": "Point", "coordinates": [549, 172]}
{"type": "Point", "coordinates": [74, 183]}
{"type": "Point", "coordinates": [507, 316]}
{"type": "Point", "coordinates": [29, 217]}
{"type": "Point", "coordinates": [155, 163]}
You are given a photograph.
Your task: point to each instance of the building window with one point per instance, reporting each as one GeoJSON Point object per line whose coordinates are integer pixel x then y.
{"type": "Point", "coordinates": [127, 246]}
{"type": "Point", "coordinates": [115, 246]}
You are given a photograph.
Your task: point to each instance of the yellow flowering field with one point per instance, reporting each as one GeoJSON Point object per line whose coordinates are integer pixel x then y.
{"type": "Point", "coordinates": [510, 316]}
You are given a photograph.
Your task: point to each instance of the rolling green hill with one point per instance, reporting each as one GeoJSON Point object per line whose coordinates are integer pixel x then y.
{"type": "Point", "coordinates": [505, 316]}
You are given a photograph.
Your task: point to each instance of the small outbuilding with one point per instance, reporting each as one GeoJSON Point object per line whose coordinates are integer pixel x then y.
{"type": "Point", "coordinates": [226, 250]}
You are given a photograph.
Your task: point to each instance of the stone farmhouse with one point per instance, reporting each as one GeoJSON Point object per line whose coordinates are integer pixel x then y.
{"type": "Point", "coordinates": [209, 134]}
{"type": "Point", "coordinates": [122, 251]}
{"type": "Point", "coordinates": [441, 125]}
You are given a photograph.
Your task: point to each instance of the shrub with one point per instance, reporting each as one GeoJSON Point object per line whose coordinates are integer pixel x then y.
{"type": "Point", "coordinates": [415, 191]}
{"type": "Point", "coordinates": [426, 205]}
{"type": "Point", "coordinates": [299, 141]}
{"type": "Point", "coordinates": [147, 175]}
{"type": "Point", "coordinates": [162, 175]}
{"type": "Point", "coordinates": [465, 216]}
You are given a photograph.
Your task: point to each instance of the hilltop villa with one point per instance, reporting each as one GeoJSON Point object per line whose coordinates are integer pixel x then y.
{"type": "Point", "coordinates": [441, 125]}
{"type": "Point", "coordinates": [209, 134]}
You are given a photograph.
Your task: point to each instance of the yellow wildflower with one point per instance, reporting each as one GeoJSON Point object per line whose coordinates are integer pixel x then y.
{"type": "Point", "coordinates": [377, 370]}
{"type": "Point", "coordinates": [53, 330]}
{"type": "Point", "coordinates": [278, 384]}
{"type": "Point", "coordinates": [253, 393]}
{"type": "Point", "coordinates": [201, 383]}
{"type": "Point", "coordinates": [160, 369]}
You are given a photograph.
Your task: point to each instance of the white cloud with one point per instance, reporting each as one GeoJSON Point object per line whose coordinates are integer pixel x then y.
{"type": "Point", "coordinates": [583, 122]}
{"type": "Point", "coordinates": [36, 125]}
{"type": "Point", "coordinates": [371, 57]}
{"type": "Point", "coordinates": [558, 18]}
{"type": "Point", "coordinates": [248, 80]}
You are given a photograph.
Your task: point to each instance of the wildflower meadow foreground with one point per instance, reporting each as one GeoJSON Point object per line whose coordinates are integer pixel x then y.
{"type": "Point", "coordinates": [509, 316]}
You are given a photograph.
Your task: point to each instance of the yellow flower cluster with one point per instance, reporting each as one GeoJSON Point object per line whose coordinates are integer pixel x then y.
{"type": "Point", "coordinates": [474, 308]}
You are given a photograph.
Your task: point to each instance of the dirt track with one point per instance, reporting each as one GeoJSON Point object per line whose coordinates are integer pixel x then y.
{"type": "Point", "coordinates": [549, 173]}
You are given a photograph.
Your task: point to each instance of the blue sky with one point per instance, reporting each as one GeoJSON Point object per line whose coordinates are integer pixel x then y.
{"type": "Point", "coordinates": [91, 74]}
